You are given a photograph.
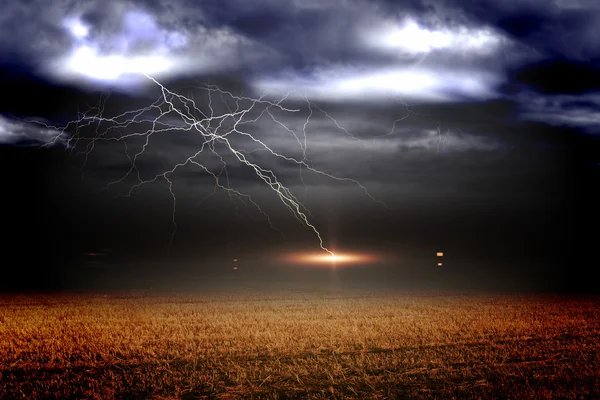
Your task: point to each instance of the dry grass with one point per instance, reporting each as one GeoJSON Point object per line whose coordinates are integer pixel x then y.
{"type": "Point", "coordinates": [295, 345]}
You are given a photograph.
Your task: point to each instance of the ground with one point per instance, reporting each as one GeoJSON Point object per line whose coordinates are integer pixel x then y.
{"type": "Point", "coordinates": [294, 344]}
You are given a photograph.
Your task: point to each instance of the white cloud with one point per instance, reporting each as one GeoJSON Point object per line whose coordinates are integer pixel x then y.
{"type": "Point", "coordinates": [409, 37]}
{"type": "Point", "coordinates": [17, 131]}
{"type": "Point", "coordinates": [449, 140]}
{"type": "Point", "coordinates": [558, 110]}
{"type": "Point", "coordinates": [424, 65]}
{"type": "Point", "coordinates": [140, 46]}
{"type": "Point", "coordinates": [425, 84]}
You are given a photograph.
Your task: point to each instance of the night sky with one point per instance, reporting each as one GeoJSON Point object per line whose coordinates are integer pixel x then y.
{"type": "Point", "coordinates": [476, 125]}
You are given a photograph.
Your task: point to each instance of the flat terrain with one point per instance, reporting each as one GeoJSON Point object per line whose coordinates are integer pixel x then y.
{"type": "Point", "coordinates": [299, 345]}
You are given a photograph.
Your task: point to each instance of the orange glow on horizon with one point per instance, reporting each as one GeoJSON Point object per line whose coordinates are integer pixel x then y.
{"type": "Point", "coordinates": [336, 259]}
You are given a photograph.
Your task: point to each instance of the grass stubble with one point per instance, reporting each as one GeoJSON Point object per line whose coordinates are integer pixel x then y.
{"type": "Point", "coordinates": [298, 345]}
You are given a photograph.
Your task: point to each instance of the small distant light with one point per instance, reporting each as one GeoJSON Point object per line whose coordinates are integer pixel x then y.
{"type": "Point", "coordinates": [235, 268]}
{"type": "Point", "coordinates": [440, 254]}
{"type": "Point", "coordinates": [439, 264]}
{"type": "Point", "coordinates": [235, 260]}
{"type": "Point", "coordinates": [96, 254]}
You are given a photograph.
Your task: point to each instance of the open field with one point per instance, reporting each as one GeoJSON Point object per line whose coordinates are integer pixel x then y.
{"type": "Point", "coordinates": [299, 345]}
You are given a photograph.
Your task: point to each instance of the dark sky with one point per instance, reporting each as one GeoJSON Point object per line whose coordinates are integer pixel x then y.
{"type": "Point", "coordinates": [396, 128]}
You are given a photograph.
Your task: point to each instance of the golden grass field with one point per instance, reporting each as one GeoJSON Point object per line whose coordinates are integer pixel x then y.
{"type": "Point", "coordinates": [299, 345]}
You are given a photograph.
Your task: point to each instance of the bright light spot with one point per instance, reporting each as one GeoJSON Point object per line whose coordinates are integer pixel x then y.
{"type": "Point", "coordinates": [439, 264]}
{"type": "Point", "coordinates": [331, 259]}
{"type": "Point", "coordinates": [440, 254]}
{"type": "Point", "coordinates": [76, 27]}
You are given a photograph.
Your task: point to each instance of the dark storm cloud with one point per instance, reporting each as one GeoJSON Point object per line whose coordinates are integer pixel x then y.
{"type": "Point", "coordinates": [32, 29]}
{"type": "Point", "coordinates": [564, 63]}
{"type": "Point", "coordinates": [461, 49]}
{"type": "Point", "coordinates": [567, 30]}
{"type": "Point", "coordinates": [262, 40]}
{"type": "Point", "coordinates": [416, 158]}
{"type": "Point", "coordinates": [27, 94]}
{"type": "Point", "coordinates": [435, 147]}
{"type": "Point", "coordinates": [299, 35]}
{"type": "Point", "coordinates": [323, 45]}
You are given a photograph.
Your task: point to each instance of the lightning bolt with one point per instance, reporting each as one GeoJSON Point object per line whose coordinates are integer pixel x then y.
{"type": "Point", "coordinates": [216, 131]}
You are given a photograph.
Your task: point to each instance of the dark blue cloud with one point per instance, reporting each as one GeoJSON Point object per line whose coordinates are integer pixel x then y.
{"type": "Point", "coordinates": [558, 76]}
{"type": "Point", "coordinates": [549, 28]}
{"type": "Point", "coordinates": [522, 26]}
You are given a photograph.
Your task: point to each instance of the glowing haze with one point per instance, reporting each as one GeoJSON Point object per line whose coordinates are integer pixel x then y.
{"type": "Point", "coordinates": [335, 259]}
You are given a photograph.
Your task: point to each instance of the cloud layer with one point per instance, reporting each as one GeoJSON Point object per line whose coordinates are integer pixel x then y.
{"type": "Point", "coordinates": [423, 98]}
